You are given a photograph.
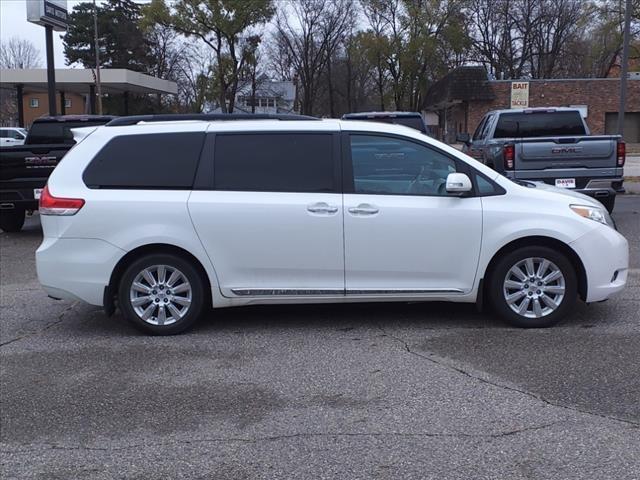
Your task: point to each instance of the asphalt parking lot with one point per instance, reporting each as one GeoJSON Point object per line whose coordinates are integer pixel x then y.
{"type": "Point", "coordinates": [410, 391]}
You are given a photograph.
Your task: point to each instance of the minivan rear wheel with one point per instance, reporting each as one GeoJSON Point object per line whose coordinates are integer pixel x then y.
{"type": "Point", "coordinates": [161, 294]}
{"type": "Point", "coordinates": [533, 287]}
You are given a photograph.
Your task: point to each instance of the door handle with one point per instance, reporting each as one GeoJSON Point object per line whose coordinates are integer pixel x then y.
{"type": "Point", "coordinates": [322, 207]}
{"type": "Point", "coordinates": [364, 209]}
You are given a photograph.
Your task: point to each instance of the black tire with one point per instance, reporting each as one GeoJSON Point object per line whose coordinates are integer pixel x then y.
{"type": "Point", "coordinates": [187, 269]}
{"type": "Point", "coordinates": [12, 220]}
{"type": "Point", "coordinates": [609, 203]}
{"type": "Point", "coordinates": [498, 276]}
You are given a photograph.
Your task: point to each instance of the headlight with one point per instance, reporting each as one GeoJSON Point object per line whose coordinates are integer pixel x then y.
{"type": "Point", "coordinates": [597, 214]}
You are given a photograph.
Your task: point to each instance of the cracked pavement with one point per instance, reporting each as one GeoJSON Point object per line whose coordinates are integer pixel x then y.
{"type": "Point", "coordinates": [385, 391]}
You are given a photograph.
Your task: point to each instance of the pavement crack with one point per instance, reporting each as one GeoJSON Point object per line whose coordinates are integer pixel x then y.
{"type": "Point", "coordinates": [49, 325]}
{"type": "Point", "coordinates": [440, 362]}
{"type": "Point", "coordinates": [292, 436]}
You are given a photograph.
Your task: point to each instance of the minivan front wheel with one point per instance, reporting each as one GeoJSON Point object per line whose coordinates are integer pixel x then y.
{"type": "Point", "coordinates": [533, 287]}
{"type": "Point", "coordinates": [161, 294]}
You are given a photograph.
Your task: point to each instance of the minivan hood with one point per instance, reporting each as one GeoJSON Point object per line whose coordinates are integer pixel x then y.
{"type": "Point", "coordinates": [584, 199]}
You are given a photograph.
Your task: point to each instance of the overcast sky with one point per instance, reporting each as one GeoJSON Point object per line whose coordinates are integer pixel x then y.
{"type": "Point", "coordinates": [13, 23]}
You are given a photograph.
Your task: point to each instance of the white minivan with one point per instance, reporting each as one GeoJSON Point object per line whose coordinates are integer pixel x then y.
{"type": "Point", "coordinates": [163, 217]}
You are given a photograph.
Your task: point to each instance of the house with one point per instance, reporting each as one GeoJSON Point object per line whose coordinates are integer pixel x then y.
{"type": "Point", "coordinates": [269, 97]}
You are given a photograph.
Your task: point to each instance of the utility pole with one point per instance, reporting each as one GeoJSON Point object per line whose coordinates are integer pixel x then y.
{"type": "Point", "coordinates": [625, 67]}
{"type": "Point", "coordinates": [95, 40]}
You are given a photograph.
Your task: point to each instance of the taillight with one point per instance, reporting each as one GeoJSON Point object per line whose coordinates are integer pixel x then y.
{"type": "Point", "coordinates": [509, 155]}
{"type": "Point", "coordinates": [621, 153]}
{"type": "Point", "coordinates": [50, 205]}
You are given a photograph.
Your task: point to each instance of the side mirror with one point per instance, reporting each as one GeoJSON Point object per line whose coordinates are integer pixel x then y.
{"type": "Point", "coordinates": [463, 138]}
{"type": "Point", "coordinates": [458, 183]}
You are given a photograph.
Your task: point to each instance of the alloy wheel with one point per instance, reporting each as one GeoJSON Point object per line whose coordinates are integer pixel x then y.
{"type": "Point", "coordinates": [160, 295]}
{"type": "Point", "coordinates": [534, 287]}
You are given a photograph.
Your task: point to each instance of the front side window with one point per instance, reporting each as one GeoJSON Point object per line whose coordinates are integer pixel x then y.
{"type": "Point", "coordinates": [274, 162]}
{"type": "Point", "coordinates": [393, 166]}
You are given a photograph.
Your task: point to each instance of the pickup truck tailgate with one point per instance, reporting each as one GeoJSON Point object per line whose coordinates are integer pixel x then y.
{"type": "Point", "coordinates": [552, 153]}
{"type": "Point", "coordinates": [30, 161]}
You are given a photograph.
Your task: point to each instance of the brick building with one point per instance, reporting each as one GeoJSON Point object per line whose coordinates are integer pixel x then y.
{"type": "Point", "coordinates": [36, 104]}
{"type": "Point", "coordinates": [463, 97]}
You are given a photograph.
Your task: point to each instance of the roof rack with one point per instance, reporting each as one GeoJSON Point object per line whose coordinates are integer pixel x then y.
{"type": "Point", "coordinates": [205, 117]}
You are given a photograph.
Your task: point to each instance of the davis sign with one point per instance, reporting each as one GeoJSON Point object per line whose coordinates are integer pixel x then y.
{"type": "Point", "coordinates": [52, 13]}
{"type": "Point", "coordinates": [519, 94]}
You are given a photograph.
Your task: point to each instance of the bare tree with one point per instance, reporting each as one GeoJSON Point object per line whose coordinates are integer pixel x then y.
{"type": "Point", "coordinates": [19, 53]}
{"type": "Point", "coordinates": [307, 32]}
{"type": "Point", "coordinates": [557, 23]}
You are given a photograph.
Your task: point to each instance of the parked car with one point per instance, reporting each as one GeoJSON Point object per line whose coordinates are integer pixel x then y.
{"type": "Point", "coordinates": [12, 136]}
{"type": "Point", "coordinates": [408, 119]}
{"type": "Point", "coordinates": [164, 219]}
{"type": "Point", "coordinates": [24, 169]}
{"type": "Point", "coordinates": [550, 145]}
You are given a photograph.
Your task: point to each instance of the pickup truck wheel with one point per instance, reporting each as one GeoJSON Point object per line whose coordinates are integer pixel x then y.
{"type": "Point", "coordinates": [161, 294]}
{"type": "Point", "coordinates": [533, 287]}
{"type": "Point", "coordinates": [609, 203]}
{"type": "Point", "coordinates": [12, 220]}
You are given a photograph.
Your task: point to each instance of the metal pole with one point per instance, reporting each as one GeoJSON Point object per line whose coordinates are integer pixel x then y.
{"type": "Point", "coordinates": [95, 39]}
{"type": "Point", "coordinates": [51, 72]}
{"type": "Point", "coordinates": [20, 95]}
{"type": "Point", "coordinates": [625, 67]}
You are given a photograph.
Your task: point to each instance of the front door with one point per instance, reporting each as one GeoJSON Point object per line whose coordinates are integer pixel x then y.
{"type": "Point", "coordinates": [272, 222]}
{"type": "Point", "coordinates": [403, 233]}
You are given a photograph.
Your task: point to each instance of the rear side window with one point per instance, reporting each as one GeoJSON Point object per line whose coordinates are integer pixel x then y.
{"type": "Point", "coordinates": [539, 124]}
{"type": "Point", "coordinates": [165, 160]}
{"type": "Point", "coordinates": [283, 162]}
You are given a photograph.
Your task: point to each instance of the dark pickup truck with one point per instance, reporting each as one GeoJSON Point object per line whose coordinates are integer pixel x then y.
{"type": "Point", "coordinates": [553, 146]}
{"type": "Point", "coordinates": [24, 169]}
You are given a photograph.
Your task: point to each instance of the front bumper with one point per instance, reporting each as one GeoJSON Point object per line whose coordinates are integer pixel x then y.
{"type": "Point", "coordinates": [76, 268]}
{"type": "Point", "coordinates": [605, 256]}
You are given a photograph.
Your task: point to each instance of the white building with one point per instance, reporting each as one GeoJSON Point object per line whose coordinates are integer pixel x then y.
{"type": "Point", "coordinates": [270, 97]}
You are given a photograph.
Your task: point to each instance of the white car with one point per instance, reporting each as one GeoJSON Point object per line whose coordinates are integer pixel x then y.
{"type": "Point", "coordinates": [163, 219]}
{"type": "Point", "coordinates": [12, 136]}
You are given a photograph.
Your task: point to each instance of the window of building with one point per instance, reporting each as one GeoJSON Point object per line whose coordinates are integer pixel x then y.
{"type": "Point", "coordinates": [34, 102]}
{"type": "Point", "coordinates": [151, 161]}
{"type": "Point", "coordinates": [279, 162]}
{"type": "Point", "coordinates": [393, 166]}
{"type": "Point", "coordinates": [67, 103]}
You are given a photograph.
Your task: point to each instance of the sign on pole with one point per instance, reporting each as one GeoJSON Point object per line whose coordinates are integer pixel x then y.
{"type": "Point", "coordinates": [48, 13]}
{"type": "Point", "coordinates": [519, 94]}
{"type": "Point", "coordinates": [52, 15]}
